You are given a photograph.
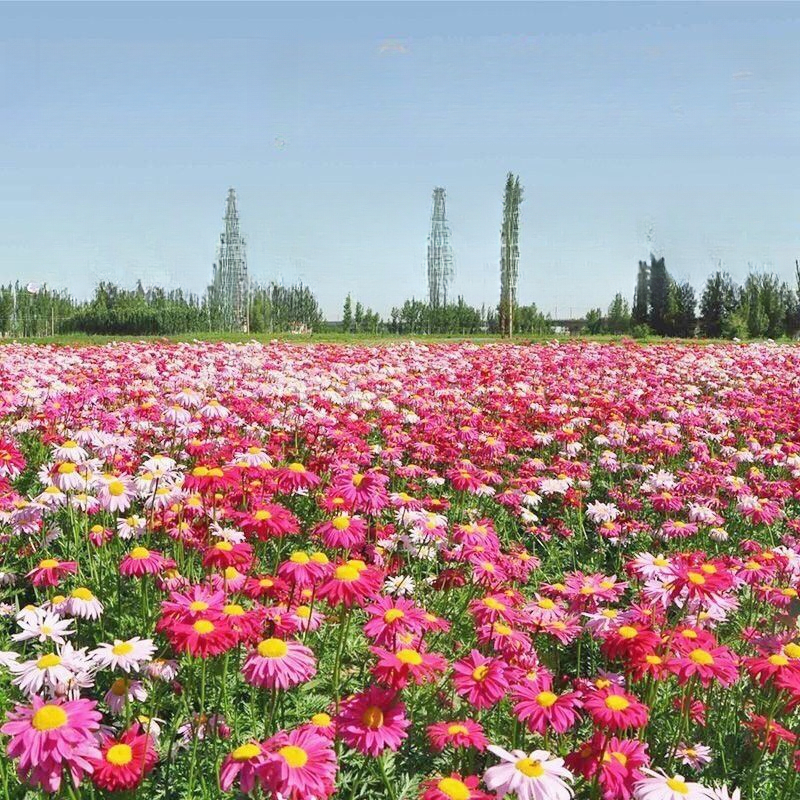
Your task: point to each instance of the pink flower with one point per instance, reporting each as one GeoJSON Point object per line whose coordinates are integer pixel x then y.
{"type": "Point", "coordinates": [480, 679]}
{"type": "Point", "coordinates": [372, 721]}
{"type": "Point", "coordinates": [50, 736]}
{"type": "Point", "coordinates": [297, 765]}
{"type": "Point", "coordinates": [141, 561]}
{"type": "Point", "coordinates": [243, 763]}
{"type": "Point", "coordinates": [543, 709]}
{"type": "Point", "coordinates": [279, 664]}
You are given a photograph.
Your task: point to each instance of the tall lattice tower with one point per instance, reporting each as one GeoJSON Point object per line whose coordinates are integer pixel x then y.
{"type": "Point", "coordinates": [440, 254]}
{"type": "Point", "coordinates": [230, 288]}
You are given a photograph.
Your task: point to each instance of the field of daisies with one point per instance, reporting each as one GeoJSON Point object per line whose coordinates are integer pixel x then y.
{"type": "Point", "coordinates": [445, 572]}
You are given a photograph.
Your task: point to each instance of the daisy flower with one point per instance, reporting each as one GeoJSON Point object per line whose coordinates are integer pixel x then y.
{"type": "Point", "coordinates": [242, 764]}
{"type": "Point", "coordinates": [279, 664]}
{"type": "Point", "coordinates": [123, 762]}
{"type": "Point", "coordinates": [372, 721]}
{"type": "Point", "coordinates": [614, 709]}
{"type": "Point", "coordinates": [122, 692]}
{"type": "Point", "coordinates": [481, 680]}
{"type": "Point", "coordinates": [128, 655]}
{"type": "Point", "coordinates": [82, 603]}
{"type": "Point", "coordinates": [50, 571]}
{"type": "Point", "coordinates": [299, 764]}
{"type": "Point", "coordinates": [695, 756]}
{"type": "Point", "coordinates": [454, 787]}
{"type": "Point", "coordinates": [43, 626]}
{"type": "Point", "coordinates": [47, 737]}
{"type": "Point", "coordinates": [464, 733]}
{"type": "Point", "coordinates": [534, 776]}
{"type": "Point", "coordinates": [659, 786]}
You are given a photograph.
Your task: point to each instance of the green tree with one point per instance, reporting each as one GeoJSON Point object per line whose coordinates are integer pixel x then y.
{"type": "Point", "coordinates": [509, 253]}
{"type": "Point", "coordinates": [619, 315]}
{"type": "Point", "coordinates": [641, 297]}
{"type": "Point", "coordinates": [717, 304]}
{"type": "Point", "coordinates": [347, 315]}
{"type": "Point", "coordinates": [659, 296]}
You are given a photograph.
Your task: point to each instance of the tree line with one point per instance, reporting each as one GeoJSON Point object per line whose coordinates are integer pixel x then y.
{"type": "Point", "coordinates": [764, 306]}
{"type": "Point", "coordinates": [113, 310]}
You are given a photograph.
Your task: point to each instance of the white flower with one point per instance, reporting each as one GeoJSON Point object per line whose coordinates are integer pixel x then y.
{"type": "Point", "coordinates": [399, 585]}
{"type": "Point", "coordinates": [601, 512]}
{"type": "Point", "coordinates": [128, 655]}
{"type": "Point", "coordinates": [51, 671]}
{"type": "Point", "coordinates": [537, 776]}
{"type": "Point", "coordinates": [84, 604]}
{"type": "Point", "coordinates": [659, 786]}
{"type": "Point", "coordinates": [43, 625]}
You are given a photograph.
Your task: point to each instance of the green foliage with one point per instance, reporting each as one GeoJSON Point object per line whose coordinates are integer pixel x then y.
{"type": "Point", "coordinates": [509, 253]}
{"type": "Point", "coordinates": [659, 296]}
{"type": "Point", "coordinates": [641, 299]}
{"type": "Point", "coordinates": [594, 321]}
{"type": "Point", "coordinates": [619, 319]}
{"type": "Point", "coordinates": [717, 305]}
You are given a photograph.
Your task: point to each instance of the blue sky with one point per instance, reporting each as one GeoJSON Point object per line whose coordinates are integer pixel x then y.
{"type": "Point", "coordinates": [123, 125]}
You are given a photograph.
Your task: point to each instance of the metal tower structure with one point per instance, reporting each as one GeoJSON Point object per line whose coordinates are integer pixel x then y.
{"type": "Point", "coordinates": [231, 282]}
{"type": "Point", "coordinates": [440, 254]}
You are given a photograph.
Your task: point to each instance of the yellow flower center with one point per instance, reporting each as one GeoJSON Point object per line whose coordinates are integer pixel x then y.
{"type": "Point", "coordinates": [272, 648]}
{"type": "Point", "coordinates": [530, 768]}
{"type": "Point", "coordinates": [299, 557]}
{"type": "Point", "coordinates": [262, 514]}
{"type": "Point", "coordinates": [454, 789]}
{"type": "Point", "coordinates": [678, 784]}
{"type": "Point", "coordinates": [696, 578]}
{"type": "Point", "coordinates": [67, 468]}
{"type": "Point", "coordinates": [245, 752]}
{"type": "Point", "coordinates": [50, 660]}
{"type": "Point", "coordinates": [702, 657]}
{"type": "Point", "coordinates": [203, 626]}
{"type": "Point", "coordinates": [233, 610]}
{"type": "Point", "coordinates": [393, 614]}
{"type": "Point", "coordinates": [358, 479]}
{"type": "Point", "coordinates": [49, 718]}
{"type": "Point", "coordinates": [372, 717]}
{"type": "Point", "coordinates": [122, 649]}
{"type": "Point", "coordinates": [321, 720]}
{"type": "Point", "coordinates": [224, 546]}
{"type": "Point", "coordinates": [792, 650]}
{"type": "Point", "coordinates": [294, 756]}
{"type": "Point", "coordinates": [616, 702]}
{"type": "Point", "coordinates": [501, 629]}
{"type": "Point", "coordinates": [116, 488]}
{"type": "Point", "coordinates": [48, 563]}
{"type": "Point", "coordinates": [119, 755]}
{"type": "Point", "coordinates": [628, 632]}
{"type": "Point", "coordinates": [653, 659]}
{"type": "Point", "coordinates": [408, 656]}
{"type": "Point", "coordinates": [319, 558]}
{"type": "Point", "coordinates": [479, 673]}
{"type": "Point", "coordinates": [341, 523]}
{"type": "Point", "coordinates": [546, 603]}
{"type": "Point", "coordinates": [778, 660]}
{"type": "Point", "coordinates": [296, 467]}
{"type": "Point", "coordinates": [458, 728]}
{"type": "Point", "coordinates": [139, 553]}
{"type": "Point", "coordinates": [546, 699]}
{"type": "Point", "coordinates": [347, 573]}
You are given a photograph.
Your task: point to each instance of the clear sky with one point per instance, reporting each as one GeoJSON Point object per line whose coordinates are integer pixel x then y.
{"type": "Point", "coordinates": [123, 125]}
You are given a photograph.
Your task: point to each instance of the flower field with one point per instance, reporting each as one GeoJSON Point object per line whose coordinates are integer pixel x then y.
{"type": "Point", "coordinates": [446, 572]}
